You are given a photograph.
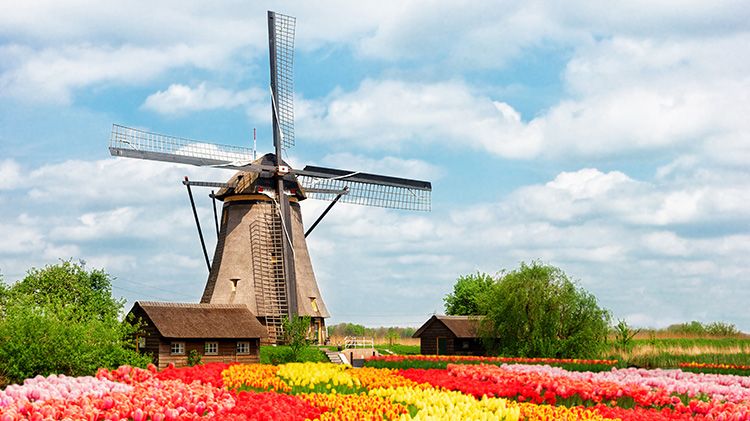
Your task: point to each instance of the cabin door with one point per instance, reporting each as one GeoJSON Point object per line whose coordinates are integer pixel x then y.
{"type": "Point", "coordinates": [442, 346]}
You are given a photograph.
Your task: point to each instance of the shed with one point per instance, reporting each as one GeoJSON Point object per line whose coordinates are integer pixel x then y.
{"type": "Point", "coordinates": [450, 335]}
{"type": "Point", "coordinates": [217, 332]}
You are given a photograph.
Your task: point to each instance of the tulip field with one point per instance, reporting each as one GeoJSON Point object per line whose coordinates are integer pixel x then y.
{"type": "Point", "coordinates": [302, 391]}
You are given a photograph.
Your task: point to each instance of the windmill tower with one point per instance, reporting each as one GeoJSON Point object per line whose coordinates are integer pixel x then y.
{"type": "Point", "coordinates": [261, 258]}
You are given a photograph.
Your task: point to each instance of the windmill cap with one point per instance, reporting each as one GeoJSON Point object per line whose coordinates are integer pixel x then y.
{"type": "Point", "coordinates": [248, 182]}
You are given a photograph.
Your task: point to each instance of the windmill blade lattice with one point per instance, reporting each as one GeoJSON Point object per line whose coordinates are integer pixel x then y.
{"type": "Point", "coordinates": [135, 143]}
{"type": "Point", "coordinates": [283, 68]}
{"type": "Point", "coordinates": [365, 189]}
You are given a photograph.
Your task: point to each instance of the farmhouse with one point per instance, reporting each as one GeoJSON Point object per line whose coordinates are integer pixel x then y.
{"type": "Point", "coordinates": [216, 332]}
{"type": "Point", "coordinates": [450, 335]}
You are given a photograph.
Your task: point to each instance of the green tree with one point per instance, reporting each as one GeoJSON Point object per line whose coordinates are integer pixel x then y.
{"type": "Point", "coordinates": [295, 334]}
{"type": "Point", "coordinates": [537, 311]}
{"type": "Point", "coordinates": [467, 295]}
{"type": "Point", "coordinates": [50, 322]}
{"type": "Point", "coordinates": [70, 285]}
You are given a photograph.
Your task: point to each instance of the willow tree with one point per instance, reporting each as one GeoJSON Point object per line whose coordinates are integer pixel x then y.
{"type": "Point", "coordinates": [538, 311]}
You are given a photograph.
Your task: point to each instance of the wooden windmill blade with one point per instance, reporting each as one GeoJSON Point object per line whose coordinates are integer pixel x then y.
{"type": "Point", "coordinates": [365, 189]}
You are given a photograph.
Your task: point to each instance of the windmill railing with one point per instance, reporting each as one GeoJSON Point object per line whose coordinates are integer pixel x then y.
{"type": "Point", "coordinates": [353, 342]}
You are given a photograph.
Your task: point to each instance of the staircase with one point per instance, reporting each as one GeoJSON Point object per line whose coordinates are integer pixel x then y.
{"type": "Point", "coordinates": [336, 357]}
{"type": "Point", "coordinates": [268, 272]}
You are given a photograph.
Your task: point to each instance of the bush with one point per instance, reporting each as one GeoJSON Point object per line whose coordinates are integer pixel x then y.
{"type": "Point", "coordinates": [696, 328]}
{"type": "Point", "coordinates": [63, 319]}
{"type": "Point", "coordinates": [537, 311]}
{"type": "Point", "coordinates": [193, 358]}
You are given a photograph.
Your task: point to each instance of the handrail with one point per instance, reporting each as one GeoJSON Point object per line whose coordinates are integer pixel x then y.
{"type": "Point", "coordinates": [358, 342]}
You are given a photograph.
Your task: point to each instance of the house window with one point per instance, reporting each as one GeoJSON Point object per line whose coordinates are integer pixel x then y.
{"type": "Point", "coordinates": [465, 344]}
{"type": "Point", "coordinates": [243, 348]}
{"type": "Point", "coordinates": [212, 348]}
{"type": "Point", "coordinates": [177, 348]}
{"type": "Point", "coordinates": [141, 342]}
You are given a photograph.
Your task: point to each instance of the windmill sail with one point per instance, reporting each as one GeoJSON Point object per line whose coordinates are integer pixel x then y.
{"type": "Point", "coordinates": [135, 143]}
{"type": "Point", "coordinates": [365, 189]}
{"type": "Point", "coordinates": [281, 44]}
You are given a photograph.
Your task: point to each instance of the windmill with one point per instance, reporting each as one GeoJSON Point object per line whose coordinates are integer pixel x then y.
{"type": "Point", "coordinates": [261, 256]}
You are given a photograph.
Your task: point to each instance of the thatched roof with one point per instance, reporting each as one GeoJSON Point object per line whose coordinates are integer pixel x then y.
{"type": "Point", "coordinates": [461, 326]}
{"type": "Point", "coordinates": [182, 320]}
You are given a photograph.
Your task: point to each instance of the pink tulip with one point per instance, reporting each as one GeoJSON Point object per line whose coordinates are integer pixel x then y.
{"type": "Point", "coordinates": [138, 415]}
{"type": "Point", "coordinates": [171, 414]}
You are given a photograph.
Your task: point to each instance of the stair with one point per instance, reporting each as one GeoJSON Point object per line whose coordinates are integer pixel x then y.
{"type": "Point", "coordinates": [335, 357]}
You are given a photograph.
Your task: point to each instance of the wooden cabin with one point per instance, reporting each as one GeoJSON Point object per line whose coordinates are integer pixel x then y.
{"type": "Point", "coordinates": [450, 335]}
{"type": "Point", "coordinates": [217, 332]}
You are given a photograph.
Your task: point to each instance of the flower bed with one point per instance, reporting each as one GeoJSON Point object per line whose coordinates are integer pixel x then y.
{"type": "Point", "coordinates": [301, 391]}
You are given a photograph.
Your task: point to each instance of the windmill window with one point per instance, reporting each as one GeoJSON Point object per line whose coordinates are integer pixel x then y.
{"type": "Point", "coordinates": [177, 348]}
{"type": "Point", "coordinates": [234, 283]}
{"type": "Point", "coordinates": [211, 348]}
{"type": "Point", "coordinates": [314, 304]}
{"type": "Point", "coordinates": [243, 348]}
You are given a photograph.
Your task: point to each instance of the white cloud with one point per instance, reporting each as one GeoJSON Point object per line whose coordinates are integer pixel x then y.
{"type": "Point", "coordinates": [388, 114]}
{"type": "Point", "coordinates": [51, 74]}
{"type": "Point", "coordinates": [96, 225]}
{"type": "Point", "coordinates": [19, 239]}
{"type": "Point", "coordinates": [115, 181]}
{"type": "Point", "coordinates": [590, 193]}
{"type": "Point", "coordinates": [389, 165]}
{"type": "Point", "coordinates": [178, 99]}
{"type": "Point", "coordinates": [10, 174]}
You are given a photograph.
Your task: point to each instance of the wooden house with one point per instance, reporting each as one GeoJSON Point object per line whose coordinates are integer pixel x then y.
{"type": "Point", "coordinates": [217, 332]}
{"type": "Point", "coordinates": [450, 335]}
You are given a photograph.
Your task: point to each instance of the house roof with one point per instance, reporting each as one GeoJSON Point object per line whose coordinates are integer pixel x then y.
{"type": "Point", "coordinates": [461, 326]}
{"type": "Point", "coordinates": [187, 320]}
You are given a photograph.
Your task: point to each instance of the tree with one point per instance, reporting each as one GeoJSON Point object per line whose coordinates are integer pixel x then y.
{"type": "Point", "coordinates": [63, 319]}
{"type": "Point", "coordinates": [295, 334]}
{"type": "Point", "coordinates": [467, 294]}
{"type": "Point", "coordinates": [537, 311]}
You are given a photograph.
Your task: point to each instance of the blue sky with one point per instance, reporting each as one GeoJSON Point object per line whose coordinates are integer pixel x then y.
{"type": "Point", "coordinates": [609, 140]}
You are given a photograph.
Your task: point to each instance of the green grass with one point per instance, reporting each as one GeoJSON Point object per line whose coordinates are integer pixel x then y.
{"type": "Point", "coordinates": [398, 349]}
